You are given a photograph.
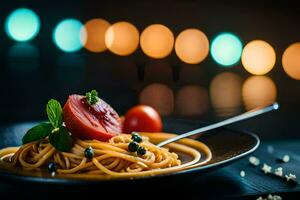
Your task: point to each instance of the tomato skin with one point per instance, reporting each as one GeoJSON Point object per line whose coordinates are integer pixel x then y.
{"type": "Point", "coordinates": [142, 118]}
{"type": "Point", "coordinates": [82, 120]}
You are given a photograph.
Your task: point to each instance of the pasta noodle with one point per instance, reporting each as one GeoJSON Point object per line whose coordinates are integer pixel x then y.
{"type": "Point", "coordinates": [111, 159]}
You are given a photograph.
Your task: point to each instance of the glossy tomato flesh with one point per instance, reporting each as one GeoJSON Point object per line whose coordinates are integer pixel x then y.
{"type": "Point", "coordinates": [142, 119]}
{"type": "Point", "coordinates": [98, 121]}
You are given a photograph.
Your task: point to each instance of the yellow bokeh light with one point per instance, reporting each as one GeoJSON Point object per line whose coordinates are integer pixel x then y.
{"type": "Point", "coordinates": [157, 41]}
{"type": "Point", "coordinates": [122, 38]}
{"type": "Point", "coordinates": [258, 91]}
{"type": "Point", "coordinates": [192, 100]}
{"type": "Point", "coordinates": [225, 92]}
{"type": "Point", "coordinates": [258, 57]}
{"type": "Point", "coordinates": [159, 96]}
{"type": "Point", "coordinates": [192, 46]}
{"type": "Point", "coordinates": [95, 30]}
{"type": "Point", "coordinates": [291, 61]}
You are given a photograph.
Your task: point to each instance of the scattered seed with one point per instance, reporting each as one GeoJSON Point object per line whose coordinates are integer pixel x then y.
{"type": "Point", "coordinates": [266, 169]}
{"type": "Point", "coordinates": [286, 158]}
{"type": "Point", "coordinates": [290, 177]}
{"type": "Point", "coordinates": [270, 197]}
{"type": "Point", "coordinates": [242, 173]}
{"type": "Point", "coordinates": [254, 160]}
{"type": "Point", "coordinates": [283, 158]}
{"type": "Point", "coordinates": [278, 171]}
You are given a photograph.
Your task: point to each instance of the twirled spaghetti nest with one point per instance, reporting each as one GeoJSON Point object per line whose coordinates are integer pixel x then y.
{"type": "Point", "coordinates": [110, 158]}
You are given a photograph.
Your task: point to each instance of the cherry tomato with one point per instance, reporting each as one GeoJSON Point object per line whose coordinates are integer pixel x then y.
{"type": "Point", "coordinates": [98, 121]}
{"type": "Point", "coordinates": [142, 118]}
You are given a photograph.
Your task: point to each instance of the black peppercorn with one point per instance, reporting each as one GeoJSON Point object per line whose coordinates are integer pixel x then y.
{"type": "Point", "coordinates": [133, 146]}
{"type": "Point", "coordinates": [141, 151]}
{"type": "Point", "coordinates": [52, 167]}
{"type": "Point", "coordinates": [89, 152]}
{"type": "Point", "coordinates": [136, 137]}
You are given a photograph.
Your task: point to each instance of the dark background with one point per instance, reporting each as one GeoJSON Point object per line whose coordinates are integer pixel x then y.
{"type": "Point", "coordinates": [31, 73]}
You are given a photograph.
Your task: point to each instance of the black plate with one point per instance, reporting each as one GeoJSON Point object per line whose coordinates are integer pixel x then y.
{"type": "Point", "coordinates": [226, 145]}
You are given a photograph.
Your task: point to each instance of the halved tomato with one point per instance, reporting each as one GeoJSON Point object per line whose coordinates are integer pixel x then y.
{"type": "Point", "coordinates": [99, 121]}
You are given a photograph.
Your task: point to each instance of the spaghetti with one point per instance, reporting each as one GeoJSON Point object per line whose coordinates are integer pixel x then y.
{"type": "Point", "coordinates": [111, 159]}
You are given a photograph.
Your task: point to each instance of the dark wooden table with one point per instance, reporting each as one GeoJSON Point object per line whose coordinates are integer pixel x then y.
{"type": "Point", "coordinates": [229, 183]}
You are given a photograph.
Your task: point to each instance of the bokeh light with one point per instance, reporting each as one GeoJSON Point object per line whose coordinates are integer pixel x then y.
{"type": "Point", "coordinates": [192, 100]}
{"type": "Point", "coordinates": [258, 57]}
{"type": "Point", "coordinates": [69, 35]}
{"type": "Point", "coordinates": [225, 92]}
{"type": "Point", "coordinates": [258, 91]}
{"type": "Point", "coordinates": [226, 49]}
{"type": "Point", "coordinates": [157, 41]}
{"type": "Point", "coordinates": [159, 96]}
{"type": "Point", "coordinates": [291, 61]}
{"type": "Point", "coordinates": [95, 30]}
{"type": "Point", "coordinates": [192, 46]}
{"type": "Point", "coordinates": [22, 25]}
{"type": "Point", "coordinates": [122, 38]}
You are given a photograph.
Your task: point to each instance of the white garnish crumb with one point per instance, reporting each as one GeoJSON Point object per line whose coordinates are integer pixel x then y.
{"type": "Point", "coordinates": [52, 173]}
{"type": "Point", "coordinates": [270, 197]}
{"type": "Point", "coordinates": [266, 168]}
{"type": "Point", "coordinates": [242, 173]}
{"type": "Point", "coordinates": [254, 161]}
{"type": "Point", "coordinates": [290, 177]}
{"type": "Point", "coordinates": [286, 158]}
{"type": "Point", "coordinates": [276, 197]}
{"type": "Point", "coordinates": [278, 171]}
{"type": "Point", "coordinates": [270, 149]}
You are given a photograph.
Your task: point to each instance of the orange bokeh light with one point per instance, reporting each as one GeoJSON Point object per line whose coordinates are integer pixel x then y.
{"type": "Point", "coordinates": [159, 96]}
{"type": "Point", "coordinates": [225, 92]}
{"type": "Point", "coordinates": [291, 61]}
{"type": "Point", "coordinates": [192, 100]}
{"type": "Point", "coordinates": [258, 91]}
{"type": "Point", "coordinates": [192, 46]}
{"type": "Point", "coordinates": [258, 57]}
{"type": "Point", "coordinates": [157, 41]}
{"type": "Point", "coordinates": [122, 38]}
{"type": "Point", "coordinates": [95, 39]}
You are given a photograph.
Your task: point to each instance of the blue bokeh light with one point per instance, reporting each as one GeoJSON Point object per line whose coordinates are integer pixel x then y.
{"type": "Point", "coordinates": [69, 35]}
{"type": "Point", "coordinates": [226, 49]}
{"type": "Point", "coordinates": [22, 25]}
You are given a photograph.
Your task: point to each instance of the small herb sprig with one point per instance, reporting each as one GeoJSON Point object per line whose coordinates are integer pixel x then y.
{"type": "Point", "coordinates": [59, 136]}
{"type": "Point", "coordinates": [92, 97]}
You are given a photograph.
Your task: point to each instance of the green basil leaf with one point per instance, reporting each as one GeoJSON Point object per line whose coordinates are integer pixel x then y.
{"type": "Point", "coordinates": [61, 139]}
{"type": "Point", "coordinates": [54, 112]}
{"type": "Point", "coordinates": [37, 132]}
